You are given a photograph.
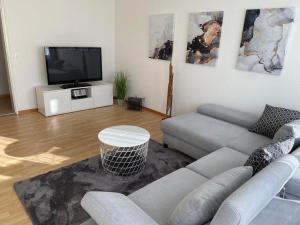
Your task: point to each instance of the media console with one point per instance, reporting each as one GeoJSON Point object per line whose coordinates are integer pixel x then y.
{"type": "Point", "coordinates": [53, 100]}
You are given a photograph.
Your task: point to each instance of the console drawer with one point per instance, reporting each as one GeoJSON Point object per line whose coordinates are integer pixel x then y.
{"type": "Point", "coordinates": [82, 104]}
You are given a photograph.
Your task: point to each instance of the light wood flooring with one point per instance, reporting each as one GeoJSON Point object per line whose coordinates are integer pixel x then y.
{"type": "Point", "coordinates": [31, 144]}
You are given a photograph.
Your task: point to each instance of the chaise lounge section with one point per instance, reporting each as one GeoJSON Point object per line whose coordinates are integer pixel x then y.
{"type": "Point", "coordinates": [211, 128]}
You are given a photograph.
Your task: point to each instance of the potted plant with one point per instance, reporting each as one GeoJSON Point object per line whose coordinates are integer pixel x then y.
{"type": "Point", "coordinates": [121, 81]}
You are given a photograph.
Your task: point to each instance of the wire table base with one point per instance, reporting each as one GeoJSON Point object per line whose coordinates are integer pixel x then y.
{"type": "Point", "coordinates": [124, 161]}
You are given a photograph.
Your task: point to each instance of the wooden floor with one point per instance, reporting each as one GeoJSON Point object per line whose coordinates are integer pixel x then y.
{"type": "Point", "coordinates": [31, 144]}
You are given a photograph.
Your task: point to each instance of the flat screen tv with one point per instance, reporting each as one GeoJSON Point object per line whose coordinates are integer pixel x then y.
{"type": "Point", "coordinates": [72, 65]}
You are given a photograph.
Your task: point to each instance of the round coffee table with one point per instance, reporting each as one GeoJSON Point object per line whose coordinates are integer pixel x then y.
{"type": "Point", "coordinates": [124, 149]}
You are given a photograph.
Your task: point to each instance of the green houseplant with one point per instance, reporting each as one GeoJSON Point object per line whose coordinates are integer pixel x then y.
{"type": "Point", "coordinates": [121, 82]}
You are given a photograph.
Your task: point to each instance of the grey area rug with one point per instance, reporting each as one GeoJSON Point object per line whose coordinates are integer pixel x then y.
{"type": "Point", "coordinates": [54, 198]}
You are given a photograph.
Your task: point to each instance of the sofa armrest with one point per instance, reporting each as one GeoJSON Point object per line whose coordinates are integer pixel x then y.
{"type": "Point", "coordinates": [292, 188]}
{"type": "Point", "coordinates": [248, 201]}
{"type": "Point", "coordinates": [108, 208]}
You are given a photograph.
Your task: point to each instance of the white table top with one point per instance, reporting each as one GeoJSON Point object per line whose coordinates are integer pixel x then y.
{"type": "Point", "coordinates": [124, 136]}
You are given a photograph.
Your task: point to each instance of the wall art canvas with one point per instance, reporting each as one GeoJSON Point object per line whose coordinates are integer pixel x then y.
{"type": "Point", "coordinates": [161, 36]}
{"type": "Point", "coordinates": [204, 36]}
{"type": "Point", "coordinates": [264, 40]}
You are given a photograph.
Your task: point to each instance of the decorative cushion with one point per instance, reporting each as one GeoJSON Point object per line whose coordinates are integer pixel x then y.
{"type": "Point", "coordinates": [290, 129]}
{"type": "Point", "coordinates": [272, 119]}
{"type": "Point", "coordinates": [263, 156]}
{"type": "Point", "coordinates": [200, 206]}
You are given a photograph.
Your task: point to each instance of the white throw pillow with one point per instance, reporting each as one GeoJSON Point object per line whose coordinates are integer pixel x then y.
{"type": "Point", "coordinates": [201, 205]}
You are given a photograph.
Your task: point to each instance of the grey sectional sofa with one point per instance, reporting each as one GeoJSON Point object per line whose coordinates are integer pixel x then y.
{"type": "Point", "coordinates": [218, 137]}
{"type": "Point", "coordinates": [223, 132]}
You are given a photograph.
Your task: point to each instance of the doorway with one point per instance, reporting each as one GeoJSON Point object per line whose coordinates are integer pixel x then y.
{"type": "Point", "coordinates": [6, 97]}
{"type": "Point", "coordinates": [6, 106]}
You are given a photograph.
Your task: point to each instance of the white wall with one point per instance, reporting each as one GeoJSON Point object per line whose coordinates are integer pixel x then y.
{"type": "Point", "coordinates": [196, 84]}
{"type": "Point", "coordinates": [33, 24]}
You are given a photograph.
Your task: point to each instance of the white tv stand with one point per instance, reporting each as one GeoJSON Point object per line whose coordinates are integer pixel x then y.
{"type": "Point", "coordinates": [53, 100]}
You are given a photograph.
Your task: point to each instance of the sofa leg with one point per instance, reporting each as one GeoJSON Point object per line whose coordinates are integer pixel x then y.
{"type": "Point", "coordinates": [166, 145]}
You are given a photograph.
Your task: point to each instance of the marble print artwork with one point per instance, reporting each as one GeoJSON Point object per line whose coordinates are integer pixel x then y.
{"type": "Point", "coordinates": [264, 40]}
{"type": "Point", "coordinates": [161, 37]}
{"type": "Point", "coordinates": [204, 38]}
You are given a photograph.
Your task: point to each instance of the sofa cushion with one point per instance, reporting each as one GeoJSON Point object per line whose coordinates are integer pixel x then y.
{"type": "Point", "coordinates": [248, 201]}
{"type": "Point", "coordinates": [248, 142]}
{"type": "Point", "coordinates": [218, 162]}
{"type": "Point", "coordinates": [264, 155]}
{"type": "Point", "coordinates": [200, 205]}
{"type": "Point", "coordinates": [272, 119]}
{"type": "Point", "coordinates": [229, 115]}
{"type": "Point", "coordinates": [160, 198]}
{"type": "Point", "coordinates": [279, 212]}
{"type": "Point", "coordinates": [202, 131]}
{"type": "Point", "coordinates": [114, 209]}
{"type": "Point", "coordinates": [289, 129]}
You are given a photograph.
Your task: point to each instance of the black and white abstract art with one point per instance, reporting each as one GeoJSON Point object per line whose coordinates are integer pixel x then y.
{"type": "Point", "coordinates": [264, 40]}
{"type": "Point", "coordinates": [204, 38]}
{"type": "Point", "coordinates": [161, 36]}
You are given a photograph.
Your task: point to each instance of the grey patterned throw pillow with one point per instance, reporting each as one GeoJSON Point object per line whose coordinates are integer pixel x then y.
{"type": "Point", "coordinates": [290, 129]}
{"type": "Point", "coordinates": [272, 119]}
{"type": "Point", "coordinates": [263, 156]}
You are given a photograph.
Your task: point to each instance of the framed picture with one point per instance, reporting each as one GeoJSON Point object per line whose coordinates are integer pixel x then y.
{"type": "Point", "coordinates": [264, 40]}
{"type": "Point", "coordinates": [204, 36]}
{"type": "Point", "coordinates": [161, 37]}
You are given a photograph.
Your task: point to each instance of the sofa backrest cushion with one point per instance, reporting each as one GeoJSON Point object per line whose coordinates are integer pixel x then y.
{"type": "Point", "coordinates": [248, 201]}
{"type": "Point", "coordinates": [201, 205]}
{"type": "Point", "coordinates": [237, 117]}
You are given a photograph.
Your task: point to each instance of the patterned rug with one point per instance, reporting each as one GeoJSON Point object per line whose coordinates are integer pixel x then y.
{"type": "Point", "coordinates": [54, 198]}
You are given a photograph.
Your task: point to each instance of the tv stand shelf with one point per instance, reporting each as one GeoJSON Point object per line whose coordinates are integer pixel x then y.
{"type": "Point", "coordinates": [53, 100]}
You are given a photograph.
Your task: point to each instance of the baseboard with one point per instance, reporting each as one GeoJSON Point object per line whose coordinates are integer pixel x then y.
{"type": "Point", "coordinates": [7, 96]}
{"type": "Point", "coordinates": [156, 112]}
{"type": "Point", "coordinates": [149, 110]}
{"type": "Point", "coordinates": [22, 112]}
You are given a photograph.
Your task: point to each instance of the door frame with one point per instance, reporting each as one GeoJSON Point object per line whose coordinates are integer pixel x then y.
{"type": "Point", "coordinates": [8, 61]}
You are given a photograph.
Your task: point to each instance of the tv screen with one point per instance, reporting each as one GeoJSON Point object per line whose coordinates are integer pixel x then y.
{"type": "Point", "coordinates": [68, 64]}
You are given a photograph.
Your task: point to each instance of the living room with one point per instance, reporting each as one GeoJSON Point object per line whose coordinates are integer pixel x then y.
{"type": "Point", "coordinates": [151, 138]}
